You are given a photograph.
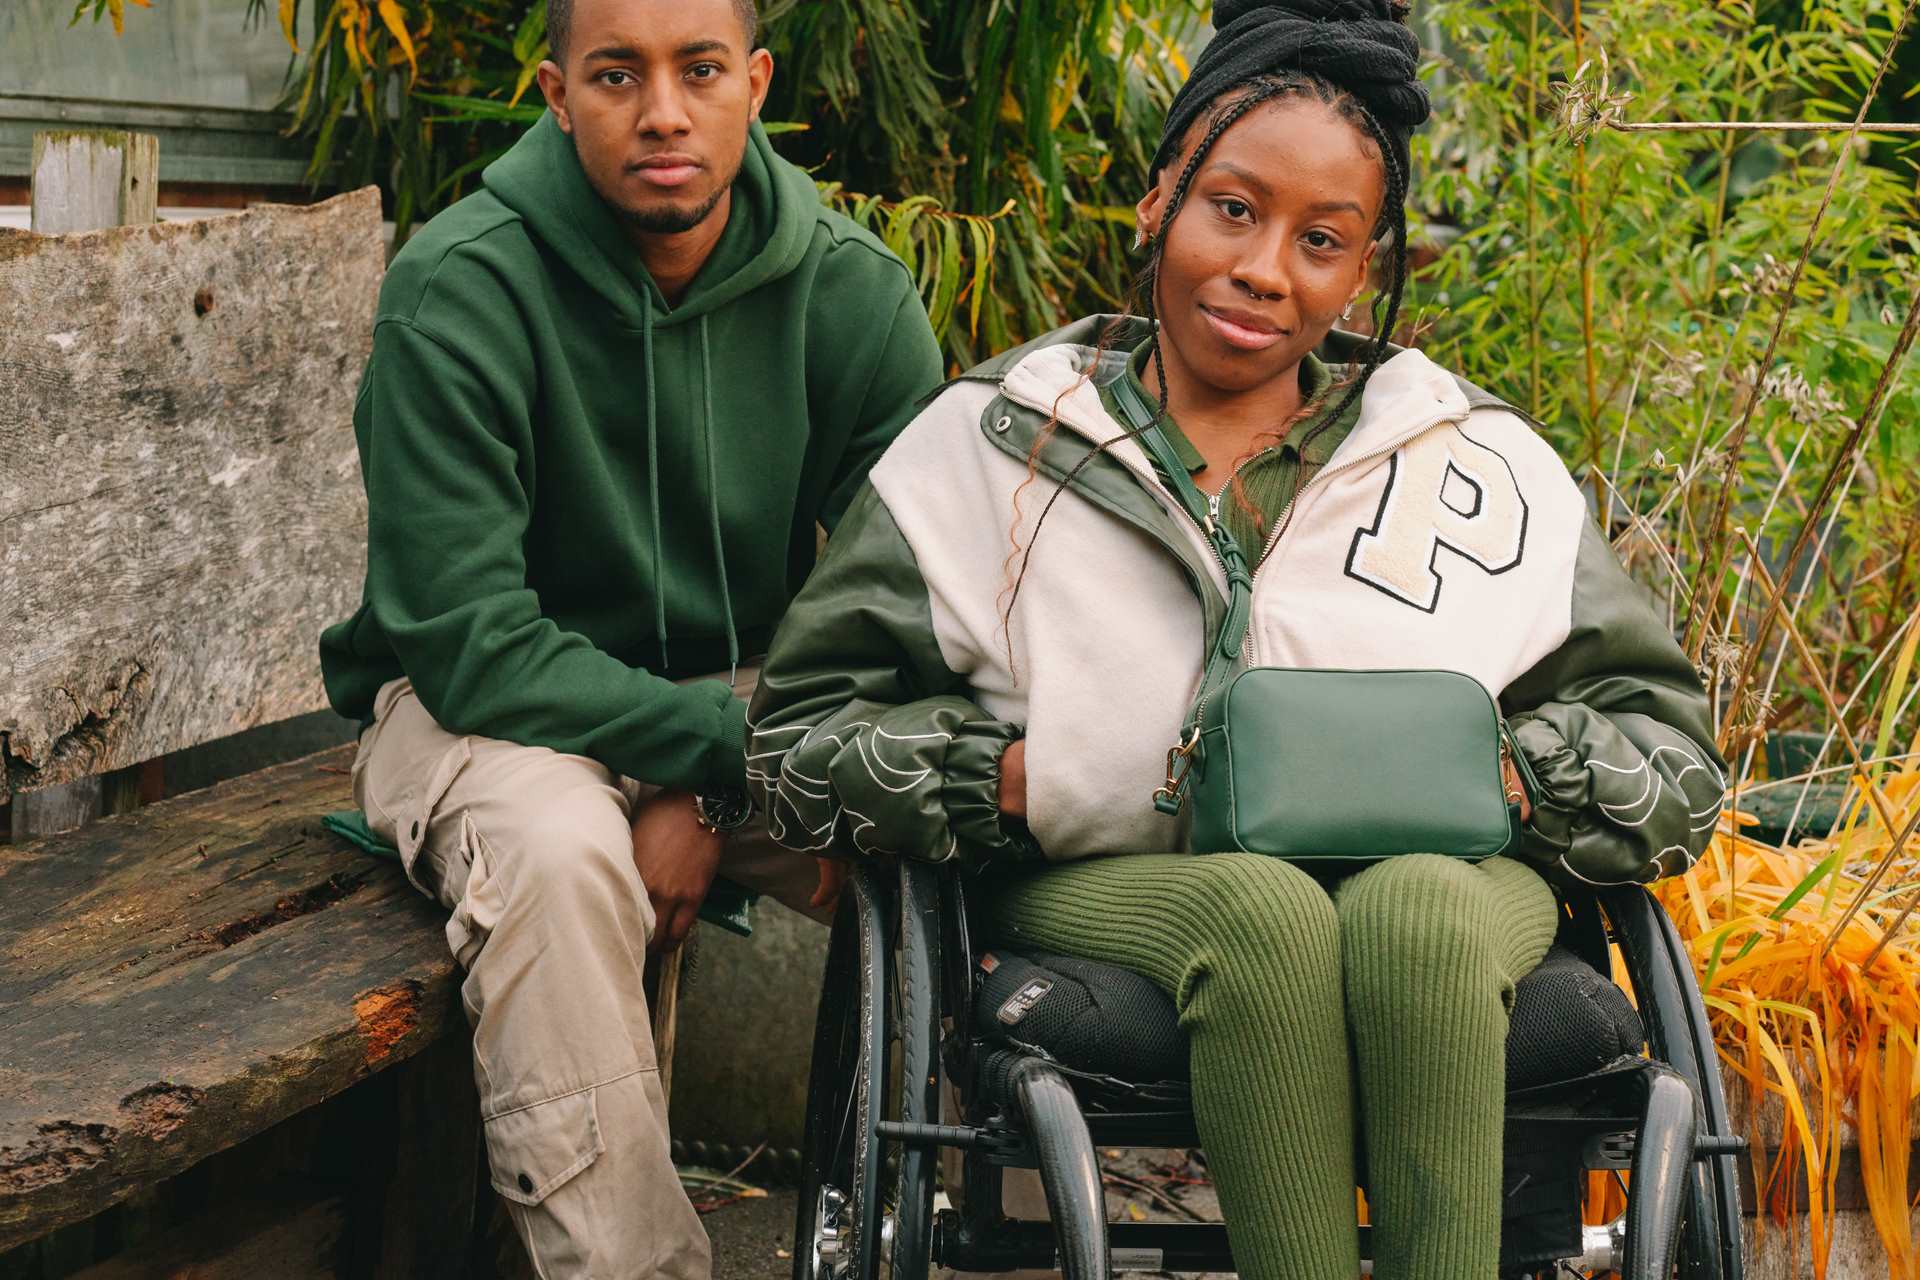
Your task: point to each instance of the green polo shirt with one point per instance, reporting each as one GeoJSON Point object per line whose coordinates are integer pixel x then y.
{"type": "Point", "coordinates": [1271, 478]}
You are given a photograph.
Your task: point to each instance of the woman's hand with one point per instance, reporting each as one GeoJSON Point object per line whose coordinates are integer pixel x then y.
{"type": "Point", "coordinates": [1510, 775]}
{"type": "Point", "coordinates": [833, 878]}
{"type": "Point", "coordinates": [1013, 780]}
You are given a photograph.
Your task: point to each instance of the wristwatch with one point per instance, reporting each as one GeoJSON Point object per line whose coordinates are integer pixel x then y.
{"type": "Point", "coordinates": [723, 811]}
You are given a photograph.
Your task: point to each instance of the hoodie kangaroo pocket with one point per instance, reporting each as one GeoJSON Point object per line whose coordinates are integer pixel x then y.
{"type": "Point", "coordinates": [536, 1150]}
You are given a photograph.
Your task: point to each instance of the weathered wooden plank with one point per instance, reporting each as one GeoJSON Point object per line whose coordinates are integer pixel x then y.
{"type": "Point", "coordinates": [180, 504]}
{"type": "Point", "coordinates": [84, 180]}
{"type": "Point", "coordinates": [177, 979]}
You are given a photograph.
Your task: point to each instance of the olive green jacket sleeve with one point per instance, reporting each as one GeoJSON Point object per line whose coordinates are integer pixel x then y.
{"type": "Point", "coordinates": [861, 741]}
{"type": "Point", "coordinates": [1617, 735]}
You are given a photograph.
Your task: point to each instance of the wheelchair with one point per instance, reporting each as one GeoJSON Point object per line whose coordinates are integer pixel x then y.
{"type": "Point", "coordinates": [904, 1003]}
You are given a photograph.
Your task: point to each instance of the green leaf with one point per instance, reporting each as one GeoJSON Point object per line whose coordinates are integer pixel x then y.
{"type": "Point", "coordinates": [531, 38]}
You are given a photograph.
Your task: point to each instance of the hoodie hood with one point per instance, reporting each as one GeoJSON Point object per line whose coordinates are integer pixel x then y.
{"type": "Point", "coordinates": [769, 225]}
{"type": "Point", "coordinates": [775, 206]}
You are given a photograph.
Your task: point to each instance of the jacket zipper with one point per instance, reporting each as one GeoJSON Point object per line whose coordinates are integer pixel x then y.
{"type": "Point", "coordinates": [1286, 517]}
{"type": "Point", "coordinates": [1286, 512]}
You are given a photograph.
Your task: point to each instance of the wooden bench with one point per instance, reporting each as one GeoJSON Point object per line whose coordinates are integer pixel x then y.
{"type": "Point", "coordinates": [180, 514]}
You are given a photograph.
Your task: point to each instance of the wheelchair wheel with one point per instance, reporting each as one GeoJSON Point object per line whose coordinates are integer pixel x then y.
{"type": "Point", "coordinates": [864, 1211]}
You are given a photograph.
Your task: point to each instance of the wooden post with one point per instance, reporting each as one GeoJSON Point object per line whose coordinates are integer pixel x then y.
{"type": "Point", "coordinates": [84, 182]}
{"type": "Point", "coordinates": [666, 1015]}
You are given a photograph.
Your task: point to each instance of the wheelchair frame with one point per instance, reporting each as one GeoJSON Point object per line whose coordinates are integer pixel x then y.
{"type": "Point", "coordinates": [900, 968]}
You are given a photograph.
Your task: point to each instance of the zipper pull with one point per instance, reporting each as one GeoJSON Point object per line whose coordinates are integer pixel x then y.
{"type": "Point", "coordinates": [1213, 509]}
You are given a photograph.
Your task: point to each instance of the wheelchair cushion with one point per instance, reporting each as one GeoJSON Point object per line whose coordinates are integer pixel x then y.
{"type": "Point", "coordinates": [1100, 1019]}
{"type": "Point", "coordinates": [1568, 1019]}
{"type": "Point", "coordinates": [1092, 1017]}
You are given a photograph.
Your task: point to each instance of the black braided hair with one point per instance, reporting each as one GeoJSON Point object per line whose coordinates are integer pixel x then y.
{"type": "Point", "coordinates": [1355, 56]}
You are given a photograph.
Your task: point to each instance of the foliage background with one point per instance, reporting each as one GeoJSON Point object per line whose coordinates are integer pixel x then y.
{"type": "Point", "coordinates": [1709, 325]}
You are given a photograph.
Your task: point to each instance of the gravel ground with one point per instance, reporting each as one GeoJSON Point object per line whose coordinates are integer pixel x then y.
{"type": "Point", "coordinates": [753, 1237]}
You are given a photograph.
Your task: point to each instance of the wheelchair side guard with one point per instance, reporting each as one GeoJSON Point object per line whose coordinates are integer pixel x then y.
{"type": "Point", "coordinates": [1662, 1172]}
{"type": "Point", "coordinates": [1069, 1170]}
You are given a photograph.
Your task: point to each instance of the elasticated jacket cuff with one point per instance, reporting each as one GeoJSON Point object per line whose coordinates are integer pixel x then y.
{"type": "Point", "coordinates": [1561, 792]}
{"type": "Point", "coordinates": [970, 794]}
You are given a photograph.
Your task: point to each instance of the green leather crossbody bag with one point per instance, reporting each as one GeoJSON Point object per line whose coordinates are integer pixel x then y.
{"type": "Point", "coordinates": [1327, 767]}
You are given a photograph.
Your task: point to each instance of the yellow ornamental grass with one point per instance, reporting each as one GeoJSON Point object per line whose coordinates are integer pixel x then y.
{"type": "Point", "coordinates": [1807, 962]}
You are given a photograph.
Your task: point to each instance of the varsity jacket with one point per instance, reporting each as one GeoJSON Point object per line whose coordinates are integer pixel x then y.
{"type": "Point", "coordinates": [1442, 534]}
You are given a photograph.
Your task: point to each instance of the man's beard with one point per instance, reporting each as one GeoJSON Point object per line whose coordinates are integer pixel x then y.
{"type": "Point", "coordinates": [670, 219]}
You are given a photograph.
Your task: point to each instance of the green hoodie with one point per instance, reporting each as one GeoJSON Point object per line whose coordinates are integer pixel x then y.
{"type": "Point", "coordinates": [577, 494]}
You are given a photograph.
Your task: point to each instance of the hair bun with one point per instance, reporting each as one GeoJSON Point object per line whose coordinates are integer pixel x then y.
{"type": "Point", "coordinates": [1359, 46]}
{"type": "Point", "coordinates": [1226, 12]}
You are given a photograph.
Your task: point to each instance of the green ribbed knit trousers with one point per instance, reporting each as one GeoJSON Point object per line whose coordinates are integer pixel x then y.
{"type": "Point", "coordinates": [1378, 1010]}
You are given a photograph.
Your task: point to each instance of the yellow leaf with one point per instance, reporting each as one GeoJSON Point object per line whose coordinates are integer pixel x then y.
{"type": "Point", "coordinates": [118, 10]}
{"type": "Point", "coordinates": [397, 23]}
{"type": "Point", "coordinates": [527, 73]}
{"type": "Point", "coordinates": [286, 23]}
{"type": "Point", "coordinates": [347, 31]}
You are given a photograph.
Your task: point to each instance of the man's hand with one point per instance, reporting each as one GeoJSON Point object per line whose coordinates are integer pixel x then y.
{"type": "Point", "coordinates": [676, 856]}
{"type": "Point", "coordinates": [1013, 780]}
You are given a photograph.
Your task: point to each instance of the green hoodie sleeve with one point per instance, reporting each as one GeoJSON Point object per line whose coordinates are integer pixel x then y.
{"type": "Point", "coordinates": [908, 366]}
{"type": "Point", "coordinates": [863, 742]}
{"type": "Point", "coordinates": [1617, 735]}
{"type": "Point", "coordinates": [448, 509]}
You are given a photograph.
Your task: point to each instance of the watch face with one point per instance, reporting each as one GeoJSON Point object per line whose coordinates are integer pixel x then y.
{"type": "Point", "coordinates": [726, 811]}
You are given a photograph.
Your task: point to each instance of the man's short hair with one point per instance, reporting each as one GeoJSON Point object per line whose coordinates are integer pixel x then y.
{"type": "Point", "coordinates": [560, 17]}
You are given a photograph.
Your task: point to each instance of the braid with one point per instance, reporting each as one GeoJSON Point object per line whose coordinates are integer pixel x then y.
{"type": "Point", "coordinates": [1260, 89]}
{"type": "Point", "coordinates": [1263, 88]}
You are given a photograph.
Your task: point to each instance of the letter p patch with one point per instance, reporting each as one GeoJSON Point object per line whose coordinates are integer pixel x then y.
{"type": "Point", "coordinates": [1444, 489]}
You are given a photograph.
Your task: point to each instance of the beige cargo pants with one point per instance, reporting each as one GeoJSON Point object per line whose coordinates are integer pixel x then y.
{"type": "Point", "coordinates": [532, 853]}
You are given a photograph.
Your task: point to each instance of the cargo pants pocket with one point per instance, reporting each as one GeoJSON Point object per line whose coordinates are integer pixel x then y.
{"type": "Point", "coordinates": [536, 1150]}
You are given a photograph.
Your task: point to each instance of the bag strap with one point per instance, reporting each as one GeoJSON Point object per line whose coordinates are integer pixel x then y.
{"type": "Point", "coordinates": [1224, 655]}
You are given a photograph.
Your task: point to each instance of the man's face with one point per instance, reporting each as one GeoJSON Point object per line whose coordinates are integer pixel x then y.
{"type": "Point", "coordinates": [657, 96]}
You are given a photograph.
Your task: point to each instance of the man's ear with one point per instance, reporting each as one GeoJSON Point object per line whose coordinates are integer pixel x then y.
{"type": "Point", "coordinates": [553, 87]}
{"type": "Point", "coordinates": [759, 80]}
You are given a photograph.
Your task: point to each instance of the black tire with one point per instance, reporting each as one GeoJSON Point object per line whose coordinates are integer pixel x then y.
{"type": "Point", "coordinates": [1679, 1035]}
{"type": "Point", "coordinates": [916, 1052]}
{"type": "Point", "coordinates": [877, 1030]}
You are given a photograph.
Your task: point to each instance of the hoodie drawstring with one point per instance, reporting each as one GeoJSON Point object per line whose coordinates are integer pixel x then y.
{"type": "Point", "coordinates": [713, 498]}
{"type": "Point", "coordinates": [653, 488]}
